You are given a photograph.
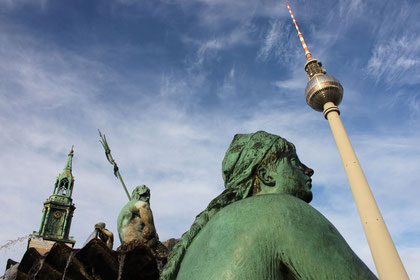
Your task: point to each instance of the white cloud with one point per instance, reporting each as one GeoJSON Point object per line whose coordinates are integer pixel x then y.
{"type": "Point", "coordinates": [293, 84]}
{"type": "Point", "coordinates": [280, 42]}
{"type": "Point", "coordinates": [15, 4]}
{"type": "Point", "coordinates": [271, 40]}
{"type": "Point", "coordinates": [228, 88]}
{"type": "Point", "coordinates": [232, 73]}
{"type": "Point", "coordinates": [208, 50]}
{"type": "Point", "coordinates": [394, 61]}
{"type": "Point", "coordinates": [349, 10]}
{"type": "Point", "coordinates": [215, 15]}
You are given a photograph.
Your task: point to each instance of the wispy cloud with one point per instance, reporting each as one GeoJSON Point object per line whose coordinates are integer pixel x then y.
{"type": "Point", "coordinates": [228, 88]}
{"type": "Point", "coordinates": [292, 84]}
{"type": "Point", "coordinates": [349, 10]}
{"type": "Point", "coordinates": [216, 15]}
{"type": "Point", "coordinates": [395, 62]}
{"type": "Point", "coordinates": [271, 40]}
{"type": "Point", "coordinates": [208, 50]}
{"type": "Point", "coordinates": [15, 4]}
{"type": "Point", "coordinates": [278, 43]}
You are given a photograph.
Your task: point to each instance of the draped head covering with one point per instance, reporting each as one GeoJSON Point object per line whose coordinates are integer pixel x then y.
{"type": "Point", "coordinates": [245, 154]}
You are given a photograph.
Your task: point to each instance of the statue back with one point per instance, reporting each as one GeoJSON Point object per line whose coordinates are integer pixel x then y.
{"type": "Point", "coordinates": [270, 237]}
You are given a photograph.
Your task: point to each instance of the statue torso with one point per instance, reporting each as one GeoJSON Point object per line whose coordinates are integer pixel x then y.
{"type": "Point", "coordinates": [266, 237]}
{"type": "Point", "coordinates": [130, 224]}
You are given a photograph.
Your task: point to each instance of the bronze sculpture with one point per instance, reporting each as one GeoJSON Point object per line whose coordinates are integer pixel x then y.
{"type": "Point", "coordinates": [104, 234]}
{"type": "Point", "coordinates": [261, 226]}
{"type": "Point", "coordinates": [135, 221]}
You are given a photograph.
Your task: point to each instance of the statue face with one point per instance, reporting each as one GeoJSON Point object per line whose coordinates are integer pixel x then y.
{"type": "Point", "coordinates": [291, 177]}
{"type": "Point", "coordinates": [141, 193]}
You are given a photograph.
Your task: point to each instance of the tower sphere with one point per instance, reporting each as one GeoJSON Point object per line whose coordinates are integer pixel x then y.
{"type": "Point", "coordinates": [321, 89]}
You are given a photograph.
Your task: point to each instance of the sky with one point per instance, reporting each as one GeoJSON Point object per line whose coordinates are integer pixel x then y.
{"type": "Point", "coordinates": [171, 82]}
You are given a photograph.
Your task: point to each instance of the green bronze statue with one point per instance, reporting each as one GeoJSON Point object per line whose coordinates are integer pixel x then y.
{"type": "Point", "coordinates": [261, 226]}
{"type": "Point", "coordinates": [135, 221]}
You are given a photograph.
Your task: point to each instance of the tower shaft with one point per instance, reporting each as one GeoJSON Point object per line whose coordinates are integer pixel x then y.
{"type": "Point", "coordinates": [385, 256]}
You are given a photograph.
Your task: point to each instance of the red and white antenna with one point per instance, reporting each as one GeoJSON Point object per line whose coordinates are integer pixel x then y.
{"type": "Point", "coordinates": [305, 47]}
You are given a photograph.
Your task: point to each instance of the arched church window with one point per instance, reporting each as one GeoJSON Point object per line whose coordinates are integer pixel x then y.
{"type": "Point", "coordinates": [62, 189]}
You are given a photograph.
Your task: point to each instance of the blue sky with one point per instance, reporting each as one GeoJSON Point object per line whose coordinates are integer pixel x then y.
{"type": "Point", "coordinates": [171, 82]}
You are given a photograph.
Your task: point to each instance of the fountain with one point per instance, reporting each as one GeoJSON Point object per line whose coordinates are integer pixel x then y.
{"type": "Point", "coordinates": [121, 259]}
{"type": "Point", "coordinates": [94, 261]}
{"type": "Point", "coordinates": [91, 237]}
{"type": "Point", "coordinates": [36, 267]}
{"type": "Point", "coordinates": [67, 264]}
{"type": "Point", "coordinates": [10, 243]}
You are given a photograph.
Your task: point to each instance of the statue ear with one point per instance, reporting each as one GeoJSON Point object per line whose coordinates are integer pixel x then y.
{"type": "Point", "coordinates": [264, 176]}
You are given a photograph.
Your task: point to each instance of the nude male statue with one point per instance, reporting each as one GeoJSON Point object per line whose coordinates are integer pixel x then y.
{"type": "Point", "coordinates": [262, 226]}
{"type": "Point", "coordinates": [135, 221]}
{"type": "Point", "coordinates": [104, 234]}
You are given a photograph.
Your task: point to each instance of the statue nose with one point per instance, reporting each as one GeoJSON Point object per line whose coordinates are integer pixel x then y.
{"type": "Point", "coordinates": [309, 172]}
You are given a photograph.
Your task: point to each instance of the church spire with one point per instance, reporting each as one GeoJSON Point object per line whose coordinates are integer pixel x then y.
{"type": "Point", "coordinates": [65, 180]}
{"type": "Point", "coordinates": [69, 159]}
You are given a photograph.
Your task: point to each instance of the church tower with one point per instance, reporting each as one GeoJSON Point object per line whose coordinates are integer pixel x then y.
{"type": "Point", "coordinates": [57, 213]}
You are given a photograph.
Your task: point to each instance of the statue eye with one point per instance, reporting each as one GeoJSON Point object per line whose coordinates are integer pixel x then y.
{"type": "Point", "coordinates": [295, 161]}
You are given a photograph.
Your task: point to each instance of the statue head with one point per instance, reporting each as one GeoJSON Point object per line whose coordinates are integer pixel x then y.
{"type": "Point", "coordinates": [141, 193]}
{"type": "Point", "coordinates": [255, 164]}
{"type": "Point", "coordinates": [261, 163]}
{"type": "Point", "coordinates": [100, 226]}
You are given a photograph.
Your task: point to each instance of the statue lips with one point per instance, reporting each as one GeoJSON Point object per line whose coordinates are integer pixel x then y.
{"type": "Point", "coordinates": [310, 183]}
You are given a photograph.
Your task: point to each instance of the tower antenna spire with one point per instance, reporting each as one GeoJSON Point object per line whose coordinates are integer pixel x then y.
{"type": "Point", "coordinates": [324, 93]}
{"type": "Point", "coordinates": [305, 47]}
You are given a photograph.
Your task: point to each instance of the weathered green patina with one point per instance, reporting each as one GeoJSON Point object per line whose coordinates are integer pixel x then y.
{"type": "Point", "coordinates": [261, 226]}
{"type": "Point", "coordinates": [135, 221]}
{"type": "Point", "coordinates": [58, 208]}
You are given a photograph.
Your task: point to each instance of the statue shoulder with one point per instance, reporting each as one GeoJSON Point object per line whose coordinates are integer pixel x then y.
{"type": "Point", "coordinates": [127, 211]}
{"type": "Point", "coordinates": [276, 227]}
{"type": "Point", "coordinates": [141, 205]}
{"type": "Point", "coordinates": [274, 207]}
{"type": "Point", "coordinates": [268, 217]}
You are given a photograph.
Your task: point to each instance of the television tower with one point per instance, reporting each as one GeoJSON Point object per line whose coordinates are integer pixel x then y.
{"type": "Point", "coordinates": [324, 93]}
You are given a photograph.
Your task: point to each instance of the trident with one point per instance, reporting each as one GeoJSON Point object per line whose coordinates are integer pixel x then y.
{"type": "Point", "coordinates": [112, 161]}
